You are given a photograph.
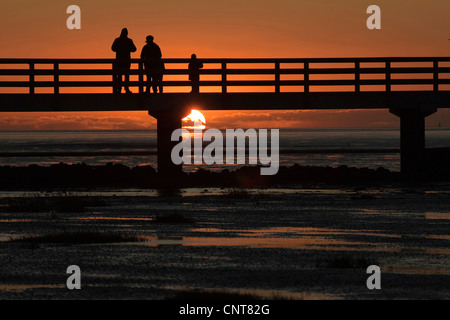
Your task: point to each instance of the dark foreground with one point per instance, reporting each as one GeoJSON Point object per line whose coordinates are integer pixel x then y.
{"type": "Point", "coordinates": [81, 175]}
{"type": "Point", "coordinates": [296, 243]}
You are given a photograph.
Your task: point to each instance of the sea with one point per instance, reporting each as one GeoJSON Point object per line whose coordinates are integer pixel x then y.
{"type": "Point", "coordinates": [362, 148]}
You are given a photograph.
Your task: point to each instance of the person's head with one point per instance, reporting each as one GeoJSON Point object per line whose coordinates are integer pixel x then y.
{"type": "Point", "coordinates": [149, 39]}
{"type": "Point", "coordinates": [124, 33]}
{"type": "Point", "coordinates": [193, 56]}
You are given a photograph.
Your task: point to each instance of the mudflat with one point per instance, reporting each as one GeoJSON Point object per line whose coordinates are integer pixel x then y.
{"type": "Point", "coordinates": [312, 242]}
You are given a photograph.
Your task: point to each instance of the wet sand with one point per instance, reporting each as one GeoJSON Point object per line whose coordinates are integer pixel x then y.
{"type": "Point", "coordinates": [291, 243]}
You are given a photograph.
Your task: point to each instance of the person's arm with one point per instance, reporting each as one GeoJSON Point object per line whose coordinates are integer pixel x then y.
{"type": "Point", "coordinates": [132, 46]}
{"type": "Point", "coordinates": [143, 53]}
{"type": "Point", "coordinates": [159, 53]}
{"type": "Point", "coordinates": [114, 46]}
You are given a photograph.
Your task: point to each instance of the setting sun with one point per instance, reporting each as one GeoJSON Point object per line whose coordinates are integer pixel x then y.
{"type": "Point", "coordinates": [195, 116]}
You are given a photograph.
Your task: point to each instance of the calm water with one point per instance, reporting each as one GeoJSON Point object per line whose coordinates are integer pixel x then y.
{"type": "Point", "coordinates": [319, 147]}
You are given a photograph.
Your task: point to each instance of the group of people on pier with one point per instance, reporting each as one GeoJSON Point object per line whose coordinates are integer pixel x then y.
{"type": "Point", "coordinates": [151, 57]}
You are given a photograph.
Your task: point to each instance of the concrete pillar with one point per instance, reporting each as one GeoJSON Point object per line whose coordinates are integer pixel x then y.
{"type": "Point", "coordinates": [412, 138]}
{"type": "Point", "coordinates": [167, 122]}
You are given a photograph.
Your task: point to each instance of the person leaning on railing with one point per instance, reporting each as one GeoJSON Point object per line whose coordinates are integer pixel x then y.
{"type": "Point", "coordinates": [154, 66]}
{"type": "Point", "coordinates": [122, 46]}
{"type": "Point", "coordinates": [194, 73]}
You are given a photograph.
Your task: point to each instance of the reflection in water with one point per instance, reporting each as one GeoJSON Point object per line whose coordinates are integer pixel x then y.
{"type": "Point", "coordinates": [17, 220]}
{"type": "Point", "coordinates": [415, 270]}
{"type": "Point", "coordinates": [439, 237]}
{"type": "Point", "coordinates": [258, 293]}
{"type": "Point", "coordinates": [425, 251]}
{"type": "Point", "coordinates": [114, 218]}
{"type": "Point", "coordinates": [23, 287]}
{"type": "Point", "coordinates": [318, 243]}
{"type": "Point", "coordinates": [368, 211]}
{"type": "Point", "coordinates": [289, 232]}
{"type": "Point", "coordinates": [256, 242]}
{"type": "Point", "coordinates": [437, 215]}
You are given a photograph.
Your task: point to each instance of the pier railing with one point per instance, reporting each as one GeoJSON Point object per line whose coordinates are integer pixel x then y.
{"type": "Point", "coordinates": [34, 76]}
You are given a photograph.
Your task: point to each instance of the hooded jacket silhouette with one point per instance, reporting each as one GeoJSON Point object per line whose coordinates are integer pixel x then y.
{"type": "Point", "coordinates": [154, 66]}
{"type": "Point", "coordinates": [123, 46]}
{"type": "Point", "coordinates": [151, 54]}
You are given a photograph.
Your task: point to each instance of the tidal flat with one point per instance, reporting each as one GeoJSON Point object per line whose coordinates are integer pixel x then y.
{"type": "Point", "coordinates": [296, 243]}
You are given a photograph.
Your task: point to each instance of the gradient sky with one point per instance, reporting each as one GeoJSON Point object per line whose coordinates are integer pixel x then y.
{"type": "Point", "coordinates": [224, 29]}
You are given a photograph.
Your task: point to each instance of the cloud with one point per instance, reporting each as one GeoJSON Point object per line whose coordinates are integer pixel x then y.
{"type": "Point", "coordinates": [70, 121]}
{"type": "Point", "coordinates": [305, 119]}
{"type": "Point", "coordinates": [214, 119]}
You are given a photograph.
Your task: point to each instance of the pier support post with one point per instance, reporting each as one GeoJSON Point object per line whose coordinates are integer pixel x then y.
{"type": "Point", "coordinates": [167, 122]}
{"type": "Point", "coordinates": [412, 138]}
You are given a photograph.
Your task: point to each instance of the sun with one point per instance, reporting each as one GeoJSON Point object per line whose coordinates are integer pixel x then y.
{"type": "Point", "coordinates": [195, 116]}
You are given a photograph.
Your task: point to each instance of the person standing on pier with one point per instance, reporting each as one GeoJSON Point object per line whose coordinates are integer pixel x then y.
{"type": "Point", "coordinates": [154, 66]}
{"type": "Point", "coordinates": [194, 73]}
{"type": "Point", "coordinates": [122, 46]}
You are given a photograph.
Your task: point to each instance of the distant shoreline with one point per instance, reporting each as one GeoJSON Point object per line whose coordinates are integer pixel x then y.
{"type": "Point", "coordinates": [153, 152]}
{"type": "Point", "coordinates": [286, 129]}
{"type": "Point", "coordinates": [75, 176]}
{"type": "Point", "coordinates": [147, 153]}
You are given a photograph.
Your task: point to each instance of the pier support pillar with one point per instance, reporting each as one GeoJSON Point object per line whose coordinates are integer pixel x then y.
{"type": "Point", "coordinates": [167, 122]}
{"type": "Point", "coordinates": [412, 138]}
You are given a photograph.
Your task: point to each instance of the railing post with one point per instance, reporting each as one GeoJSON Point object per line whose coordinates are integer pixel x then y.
{"type": "Point", "coordinates": [357, 76]}
{"type": "Point", "coordinates": [141, 77]}
{"type": "Point", "coordinates": [388, 76]}
{"type": "Point", "coordinates": [114, 78]}
{"type": "Point", "coordinates": [31, 78]}
{"type": "Point", "coordinates": [306, 77]}
{"type": "Point", "coordinates": [277, 77]}
{"type": "Point", "coordinates": [56, 78]}
{"type": "Point", "coordinates": [224, 77]}
{"type": "Point", "coordinates": [435, 75]}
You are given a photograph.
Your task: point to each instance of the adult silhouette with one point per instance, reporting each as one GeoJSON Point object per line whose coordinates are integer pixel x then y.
{"type": "Point", "coordinates": [154, 66]}
{"type": "Point", "coordinates": [194, 73]}
{"type": "Point", "coordinates": [122, 46]}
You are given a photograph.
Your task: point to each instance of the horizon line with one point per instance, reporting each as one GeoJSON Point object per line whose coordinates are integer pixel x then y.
{"type": "Point", "coordinates": [293, 128]}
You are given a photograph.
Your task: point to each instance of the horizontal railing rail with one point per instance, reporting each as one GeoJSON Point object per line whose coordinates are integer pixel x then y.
{"type": "Point", "coordinates": [276, 75]}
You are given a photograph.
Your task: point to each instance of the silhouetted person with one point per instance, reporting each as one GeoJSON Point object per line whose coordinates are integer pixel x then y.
{"type": "Point", "coordinates": [154, 66]}
{"type": "Point", "coordinates": [194, 73]}
{"type": "Point", "coordinates": [122, 46]}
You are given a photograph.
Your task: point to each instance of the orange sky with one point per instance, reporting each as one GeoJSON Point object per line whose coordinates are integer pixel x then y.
{"type": "Point", "coordinates": [224, 29]}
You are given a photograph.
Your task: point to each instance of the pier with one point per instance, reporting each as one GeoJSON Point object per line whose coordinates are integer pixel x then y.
{"type": "Point", "coordinates": [410, 88]}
